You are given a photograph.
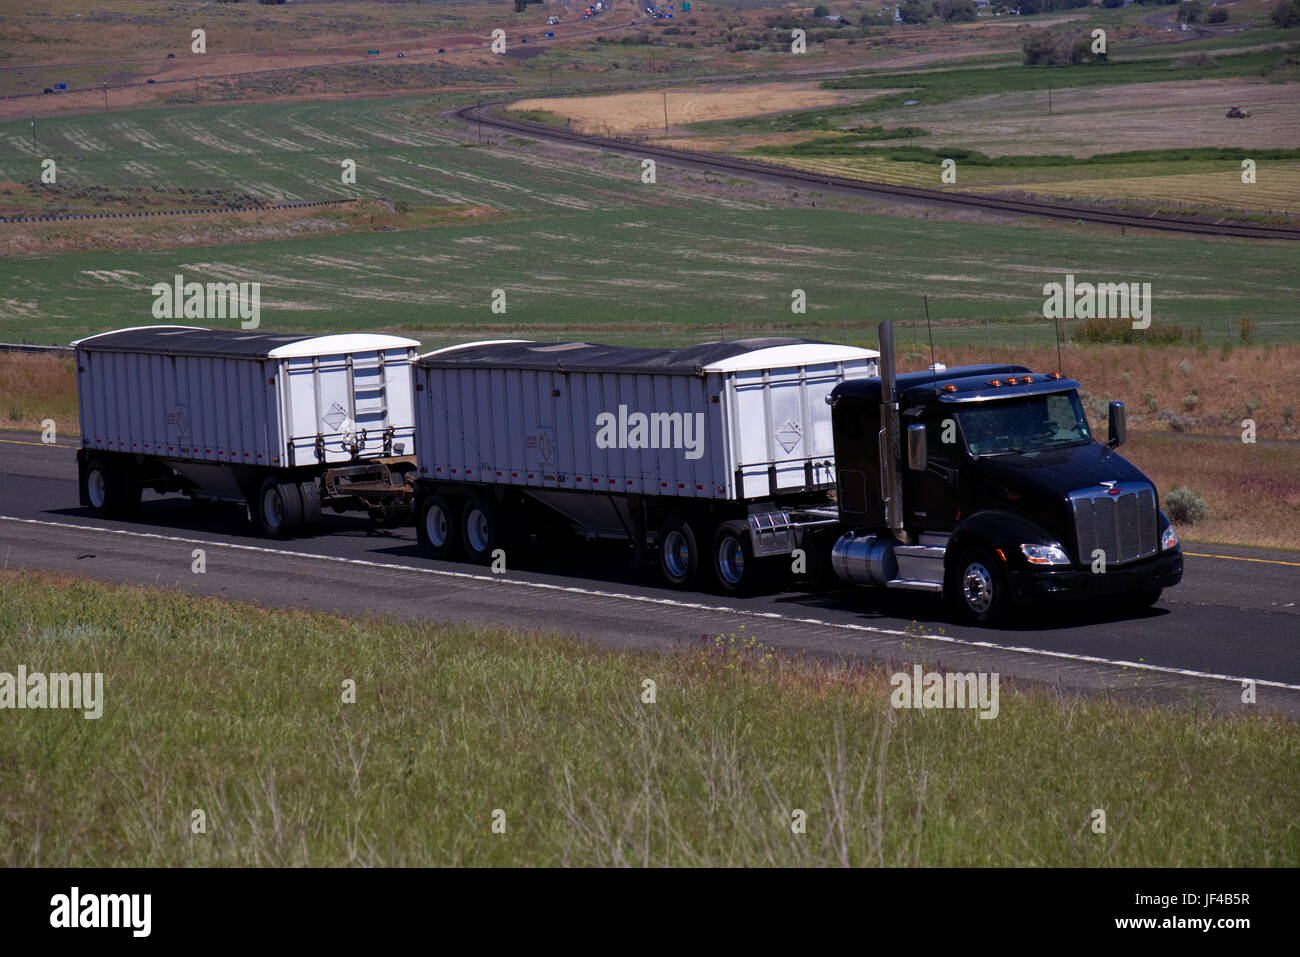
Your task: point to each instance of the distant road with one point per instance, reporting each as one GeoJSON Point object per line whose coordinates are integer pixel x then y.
{"type": "Point", "coordinates": [1235, 616]}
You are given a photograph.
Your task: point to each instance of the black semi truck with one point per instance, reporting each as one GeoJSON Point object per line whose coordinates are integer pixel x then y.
{"type": "Point", "coordinates": [985, 484]}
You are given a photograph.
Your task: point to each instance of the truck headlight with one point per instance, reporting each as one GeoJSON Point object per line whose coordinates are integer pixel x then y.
{"type": "Point", "coordinates": [1168, 539]}
{"type": "Point", "coordinates": [1045, 554]}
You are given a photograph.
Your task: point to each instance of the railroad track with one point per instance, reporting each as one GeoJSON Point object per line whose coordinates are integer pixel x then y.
{"type": "Point", "coordinates": [481, 114]}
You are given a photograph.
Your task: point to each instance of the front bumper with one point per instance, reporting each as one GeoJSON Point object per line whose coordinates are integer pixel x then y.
{"type": "Point", "coordinates": [1040, 584]}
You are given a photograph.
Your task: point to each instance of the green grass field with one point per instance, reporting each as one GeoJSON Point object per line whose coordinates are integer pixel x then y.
{"type": "Point", "coordinates": [238, 711]}
{"type": "Point", "coordinates": [580, 250]}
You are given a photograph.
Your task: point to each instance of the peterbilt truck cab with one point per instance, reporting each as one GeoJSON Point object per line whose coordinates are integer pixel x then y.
{"type": "Point", "coordinates": [986, 484]}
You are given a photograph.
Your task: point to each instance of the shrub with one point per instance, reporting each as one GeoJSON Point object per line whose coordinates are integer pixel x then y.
{"type": "Point", "coordinates": [1246, 330]}
{"type": "Point", "coordinates": [1185, 507]}
{"type": "Point", "coordinates": [1185, 367]}
{"type": "Point", "coordinates": [1217, 15]}
{"type": "Point", "coordinates": [1190, 402]}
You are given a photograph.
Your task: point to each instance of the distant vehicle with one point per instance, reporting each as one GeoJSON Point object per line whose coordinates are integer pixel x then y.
{"type": "Point", "coordinates": [1237, 113]}
{"type": "Point", "coordinates": [400, 55]}
{"type": "Point", "coordinates": [551, 35]}
{"type": "Point", "coordinates": [148, 81]}
{"type": "Point", "coordinates": [441, 50]}
{"type": "Point", "coordinates": [171, 56]}
{"type": "Point", "coordinates": [48, 90]}
{"type": "Point", "coordinates": [523, 39]}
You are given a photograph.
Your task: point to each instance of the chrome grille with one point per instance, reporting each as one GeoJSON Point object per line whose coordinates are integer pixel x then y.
{"type": "Point", "coordinates": [1123, 526]}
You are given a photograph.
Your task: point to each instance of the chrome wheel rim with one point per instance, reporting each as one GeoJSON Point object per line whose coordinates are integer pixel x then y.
{"type": "Point", "coordinates": [272, 508]}
{"type": "Point", "coordinates": [977, 588]}
{"type": "Point", "coordinates": [731, 560]}
{"type": "Point", "coordinates": [96, 488]}
{"type": "Point", "coordinates": [677, 554]}
{"type": "Point", "coordinates": [435, 526]}
{"type": "Point", "coordinates": [477, 529]}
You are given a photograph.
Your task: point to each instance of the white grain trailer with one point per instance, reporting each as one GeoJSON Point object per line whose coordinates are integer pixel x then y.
{"type": "Point", "coordinates": [285, 423]}
{"type": "Point", "coordinates": [707, 453]}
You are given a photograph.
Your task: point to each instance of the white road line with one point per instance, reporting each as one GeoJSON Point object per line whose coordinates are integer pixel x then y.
{"type": "Point", "coordinates": [652, 600]}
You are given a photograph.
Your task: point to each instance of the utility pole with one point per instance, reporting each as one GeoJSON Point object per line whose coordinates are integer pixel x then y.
{"type": "Point", "coordinates": [665, 94]}
{"type": "Point", "coordinates": [105, 97]}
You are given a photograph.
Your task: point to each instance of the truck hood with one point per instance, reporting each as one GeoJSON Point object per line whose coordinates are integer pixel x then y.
{"type": "Point", "coordinates": [1055, 473]}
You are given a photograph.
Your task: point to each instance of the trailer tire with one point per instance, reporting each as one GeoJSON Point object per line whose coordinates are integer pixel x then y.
{"type": "Point", "coordinates": [278, 509]}
{"type": "Point", "coordinates": [309, 493]}
{"type": "Point", "coordinates": [677, 552]}
{"type": "Point", "coordinates": [480, 528]}
{"type": "Point", "coordinates": [110, 488]}
{"type": "Point", "coordinates": [436, 526]}
{"type": "Point", "coordinates": [978, 588]}
{"type": "Point", "coordinates": [734, 566]}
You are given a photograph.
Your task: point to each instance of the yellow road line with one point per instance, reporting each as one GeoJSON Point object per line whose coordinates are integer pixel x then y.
{"type": "Point", "coordinates": [44, 445]}
{"type": "Point", "coordinates": [1238, 558]}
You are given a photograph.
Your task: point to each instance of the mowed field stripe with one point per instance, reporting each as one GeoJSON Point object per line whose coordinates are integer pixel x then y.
{"type": "Point", "coordinates": [653, 600]}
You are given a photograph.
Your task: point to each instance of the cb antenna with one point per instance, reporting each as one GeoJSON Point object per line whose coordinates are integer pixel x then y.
{"type": "Point", "coordinates": [934, 373]}
{"type": "Point", "coordinates": [1059, 370]}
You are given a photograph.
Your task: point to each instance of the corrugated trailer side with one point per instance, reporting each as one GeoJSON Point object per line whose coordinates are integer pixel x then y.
{"type": "Point", "coordinates": [539, 429]}
{"type": "Point", "coordinates": [192, 407]}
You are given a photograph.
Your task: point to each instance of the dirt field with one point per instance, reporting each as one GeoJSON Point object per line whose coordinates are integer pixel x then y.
{"type": "Point", "coordinates": [644, 111]}
{"type": "Point", "coordinates": [1090, 120]}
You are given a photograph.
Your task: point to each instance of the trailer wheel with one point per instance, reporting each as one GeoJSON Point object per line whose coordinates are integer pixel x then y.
{"type": "Point", "coordinates": [734, 565]}
{"type": "Point", "coordinates": [435, 526]}
{"type": "Point", "coordinates": [480, 528]}
{"type": "Point", "coordinates": [678, 552]}
{"type": "Point", "coordinates": [110, 488]}
{"type": "Point", "coordinates": [279, 508]}
{"type": "Point", "coordinates": [979, 587]}
{"type": "Point", "coordinates": [309, 492]}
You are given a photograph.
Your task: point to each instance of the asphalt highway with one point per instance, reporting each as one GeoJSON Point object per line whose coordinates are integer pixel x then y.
{"type": "Point", "coordinates": [1235, 617]}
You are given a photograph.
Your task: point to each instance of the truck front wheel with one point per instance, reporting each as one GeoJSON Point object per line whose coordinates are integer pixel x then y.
{"type": "Point", "coordinates": [678, 552]}
{"type": "Point", "coordinates": [435, 527]}
{"type": "Point", "coordinates": [978, 587]}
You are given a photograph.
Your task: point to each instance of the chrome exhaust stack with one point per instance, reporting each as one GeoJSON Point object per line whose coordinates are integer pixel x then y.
{"type": "Point", "coordinates": [891, 478]}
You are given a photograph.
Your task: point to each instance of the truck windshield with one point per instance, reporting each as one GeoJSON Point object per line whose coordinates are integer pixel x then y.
{"type": "Point", "coordinates": [1027, 424]}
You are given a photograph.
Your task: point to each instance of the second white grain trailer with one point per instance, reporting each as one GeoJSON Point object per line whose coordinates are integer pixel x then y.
{"type": "Point", "coordinates": [285, 423]}
{"type": "Point", "coordinates": [707, 454]}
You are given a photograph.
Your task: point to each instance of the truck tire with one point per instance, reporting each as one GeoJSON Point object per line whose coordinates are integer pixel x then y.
{"type": "Point", "coordinates": [278, 509]}
{"type": "Point", "coordinates": [436, 527]}
{"type": "Point", "coordinates": [677, 552]}
{"type": "Point", "coordinates": [309, 493]}
{"type": "Point", "coordinates": [480, 529]}
{"type": "Point", "coordinates": [110, 487]}
{"type": "Point", "coordinates": [978, 588]}
{"type": "Point", "coordinates": [734, 566]}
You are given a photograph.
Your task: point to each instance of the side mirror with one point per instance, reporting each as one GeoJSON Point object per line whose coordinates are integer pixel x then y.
{"type": "Point", "coordinates": [917, 450]}
{"type": "Point", "coordinates": [1118, 425]}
